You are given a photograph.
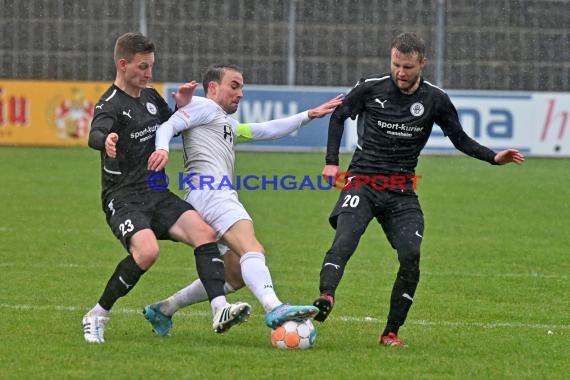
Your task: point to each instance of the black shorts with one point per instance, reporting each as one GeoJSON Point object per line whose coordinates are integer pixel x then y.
{"type": "Point", "coordinates": [157, 210]}
{"type": "Point", "coordinates": [399, 213]}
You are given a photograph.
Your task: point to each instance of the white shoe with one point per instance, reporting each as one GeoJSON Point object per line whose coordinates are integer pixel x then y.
{"type": "Point", "coordinates": [231, 315]}
{"type": "Point", "coordinates": [94, 328]}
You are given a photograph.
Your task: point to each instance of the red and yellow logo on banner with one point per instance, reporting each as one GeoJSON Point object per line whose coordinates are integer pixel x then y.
{"type": "Point", "coordinates": [48, 113]}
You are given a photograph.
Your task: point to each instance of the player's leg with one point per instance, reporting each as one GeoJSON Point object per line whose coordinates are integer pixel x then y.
{"type": "Point", "coordinates": [241, 239]}
{"type": "Point", "coordinates": [192, 229]}
{"type": "Point", "coordinates": [160, 313]}
{"type": "Point", "coordinates": [132, 228]}
{"type": "Point", "coordinates": [404, 228]}
{"type": "Point", "coordinates": [196, 293]}
{"type": "Point", "coordinates": [144, 249]}
{"type": "Point", "coordinates": [350, 217]}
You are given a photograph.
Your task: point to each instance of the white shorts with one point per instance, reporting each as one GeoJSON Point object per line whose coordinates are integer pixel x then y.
{"type": "Point", "coordinates": [221, 209]}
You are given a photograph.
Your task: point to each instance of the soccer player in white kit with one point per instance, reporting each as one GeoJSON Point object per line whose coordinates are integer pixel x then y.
{"type": "Point", "coordinates": [209, 135]}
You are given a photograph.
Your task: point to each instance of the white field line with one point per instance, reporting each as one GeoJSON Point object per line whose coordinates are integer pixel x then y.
{"type": "Point", "coordinates": [202, 314]}
{"type": "Point", "coordinates": [547, 276]}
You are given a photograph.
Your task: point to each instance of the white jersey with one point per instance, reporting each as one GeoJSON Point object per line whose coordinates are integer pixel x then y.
{"type": "Point", "coordinates": [208, 143]}
{"type": "Point", "coordinates": [209, 135]}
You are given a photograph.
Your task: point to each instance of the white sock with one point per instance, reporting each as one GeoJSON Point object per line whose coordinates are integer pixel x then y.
{"type": "Point", "coordinates": [193, 293]}
{"type": "Point", "coordinates": [98, 311]}
{"type": "Point", "coordinates": [258, 279]}
{"type": "Point", "coordinates": [217, 303]}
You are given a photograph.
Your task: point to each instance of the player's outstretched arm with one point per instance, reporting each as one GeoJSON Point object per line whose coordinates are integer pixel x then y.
{"type": "Point", "coordinates": [509, 155]}
{"type": "Point", "coordinates": [277, 128]}
{"type": "Point", "coordinates": [325, 108]}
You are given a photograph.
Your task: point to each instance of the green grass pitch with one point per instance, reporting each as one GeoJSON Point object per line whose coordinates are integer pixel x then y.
{"type": "Point", "coordinates": [492, 301]}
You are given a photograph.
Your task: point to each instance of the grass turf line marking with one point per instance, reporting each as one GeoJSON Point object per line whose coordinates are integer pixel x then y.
{"type": "Point", "coordinates": [547, 276]}
{"type": "Point", "coordinates": [199, 313]}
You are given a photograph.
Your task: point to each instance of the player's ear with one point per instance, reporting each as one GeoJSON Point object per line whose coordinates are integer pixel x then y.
{"type": "Point", "coordinates": [212, 87]}
{"type": "Point", "coordinates": [122, 64]}
{"type": "Point", "coordinates": [423, 62]}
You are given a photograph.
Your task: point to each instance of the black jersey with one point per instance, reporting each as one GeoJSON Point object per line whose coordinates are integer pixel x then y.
{"type": "Point", "coordinates": [135, 120]}
{"type": "Point", "coordinates": [394, 127]}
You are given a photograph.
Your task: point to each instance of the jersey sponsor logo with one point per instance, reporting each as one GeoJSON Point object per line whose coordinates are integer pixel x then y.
{"type": "Point", "coordinates": [145, 133]}
{"type": "Point", "coordinates": [100, 106]}
{"type": "Point", "coordinates": [151, 108]}
{"type": "Point", "coordinates": [125, 113]}
{"type": "Point", "coordinates": [400, 129]}
{"type": "Point", "coordinates": [417, 109]}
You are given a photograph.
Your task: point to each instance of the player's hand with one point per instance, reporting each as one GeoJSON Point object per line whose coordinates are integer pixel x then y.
{"type": "Point", "coordinates": [329, 173]}
{"type": "Point", "coordinates": [111, 144]}
{"type": "Point", "coordinates": [157, 160]}
{"type": "Point", "coordinates": [184, 93]}
{"type": "Point", "coordinates": [509, 155]}
{"type": "Point", "coordinates": [325, 108]}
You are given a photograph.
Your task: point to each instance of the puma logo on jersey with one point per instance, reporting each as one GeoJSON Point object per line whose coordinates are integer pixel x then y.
{"type": "Point", "coordinates": [380, 102]}
{"type": "Point", "coordinates": [100, 106]}
{"type": "Point", "coordinates": [127, 114]}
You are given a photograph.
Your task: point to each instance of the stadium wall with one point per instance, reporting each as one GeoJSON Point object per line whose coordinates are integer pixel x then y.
{"type": "Point", "coordinates": [506, 45]}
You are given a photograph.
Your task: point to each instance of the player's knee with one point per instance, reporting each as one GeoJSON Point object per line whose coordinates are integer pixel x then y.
{"type": "Point", "coordinates": [244, 246]}
{"type": "Point", "coordinates": [145, 254]}
{"type": "Point", "coordinates": [232, 270]}
{"type": "Point", "coordinates": [345, 242]}
{"type": "Point", "coordinates": [258, 247]}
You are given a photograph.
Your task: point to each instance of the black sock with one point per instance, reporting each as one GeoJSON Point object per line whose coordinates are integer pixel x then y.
{"type": "Point", "coordinates": [210, 267]}
{"type": "Point", "coordinates": [126, 275]}
{"type": "Point", "coordinates": [349, 229]}
{"type": "Point", "coordinates": [400, 302]}
{"type": "Point", "coordinates": [331, 273]}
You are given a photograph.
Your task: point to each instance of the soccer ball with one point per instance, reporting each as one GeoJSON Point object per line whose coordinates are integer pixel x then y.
{"type": "Point", "coordinates": [294, 335]}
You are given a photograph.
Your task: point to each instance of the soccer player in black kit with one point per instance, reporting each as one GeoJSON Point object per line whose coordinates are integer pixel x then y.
{"type": "Point", "coordinates": [396, 112]}
{"type": "Point", "coordinates": [123, 129]}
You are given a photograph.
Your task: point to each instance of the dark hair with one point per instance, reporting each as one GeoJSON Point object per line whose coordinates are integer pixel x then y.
{"type": "Point", "coordinates": [216, 73]}
{"type": "Point", "coordinates": [409, 43]}
{"type": "Point", "coordinates": [132, 43]}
